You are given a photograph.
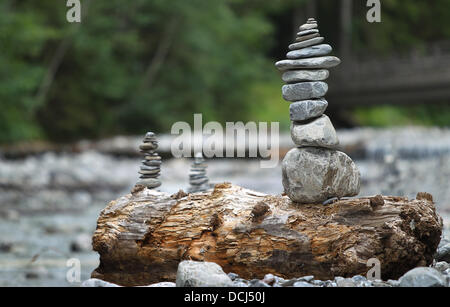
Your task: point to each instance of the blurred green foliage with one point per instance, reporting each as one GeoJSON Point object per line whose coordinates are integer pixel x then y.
{"type": "Point", "coordinates": [130, 66]}
{"type": "Point", "coordinates": [133, 66]}
{"type": "Point", "coordinates": [386, 115]}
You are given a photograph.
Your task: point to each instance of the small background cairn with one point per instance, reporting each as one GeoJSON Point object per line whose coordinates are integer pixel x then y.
{"type": "Point", "coordinates": [198, 180]}
{"type": "Point", "coordinates": [151, 165]}
{"type": "Point", "coordinates": [314, 171]}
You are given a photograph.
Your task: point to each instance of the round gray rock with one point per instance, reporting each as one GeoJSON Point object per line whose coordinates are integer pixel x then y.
{"type": "Point", "coordinates": [317, 133]}
{"type": "Point", "coordinates": [304, 90]}
{"type": "Point", "coordinates": [201, 274]}
{"type": "Point", "coordinates": [306, 109]}
{"type": "Point", "coordinates": [310, 63]}
{"type": "Point", "coordinates": [313, 175]}
{"type": "Point", "coordinates": [423, 277]}
{"type": "Point", "coordinates": [318, 50]}
{"type": "Point", "coordinates": [443, 253]}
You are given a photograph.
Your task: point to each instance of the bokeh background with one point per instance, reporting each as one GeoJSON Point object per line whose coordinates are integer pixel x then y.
{"type": "Point", "coordinates": [76, 98]}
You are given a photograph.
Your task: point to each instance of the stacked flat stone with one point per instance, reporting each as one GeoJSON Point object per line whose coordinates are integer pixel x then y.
{"type": "Point", "coordinates": [314, 171]}
{"type": "Point", "coordinates": [198, 180]}
{"type": "Point", "coordinates": [151, 165]}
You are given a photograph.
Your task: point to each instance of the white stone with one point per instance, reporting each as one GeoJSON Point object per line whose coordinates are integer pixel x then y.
{"type": "Point", "coordinates": [201, 274]}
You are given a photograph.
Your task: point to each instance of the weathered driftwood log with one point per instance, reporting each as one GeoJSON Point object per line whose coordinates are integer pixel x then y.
{"type": "Point", "coordinates": [142, 237]}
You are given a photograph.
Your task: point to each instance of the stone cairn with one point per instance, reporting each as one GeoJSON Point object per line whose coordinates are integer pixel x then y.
{"type": "Point", "coordinates": [314, 171]}
{"type": "Point", "coordinates": [198, 180]}
{"type": "Point", "coordinates": [151, 165]}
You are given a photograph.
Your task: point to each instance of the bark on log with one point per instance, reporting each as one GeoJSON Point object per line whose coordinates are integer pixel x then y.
{"type": "Point", "coordinates": [142, 237]}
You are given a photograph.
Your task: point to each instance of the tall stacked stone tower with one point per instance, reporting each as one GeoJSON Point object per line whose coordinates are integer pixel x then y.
{"type": "Point", "coordinates": [314, 171]}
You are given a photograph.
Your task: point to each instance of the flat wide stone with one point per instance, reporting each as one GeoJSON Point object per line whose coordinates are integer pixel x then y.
{"type": "Point", "coordinates": [304, 90]}
{"type": "Point", "coordinates": [294, 76]}
{"type": "Point", "coordinates": [307, 32]}
{"type": "Point", "coordinates": [313, 51]}
{"type": "Point", "coordinates": [311, 63]}
{"type": "Point", "coordinates": [306, 37]}
{"type": "Point", "coordinates": [149, 182]}
{"type": "Point", "coordinates": [313, 175]}
{"type": "Point", "coordinates": [307, 26]}
{"type": "Point", "coordinates": [309, 42]}
{"type": "Point", "coordinates": [317, 133]}
{"type": "Point", "coordinates": [306, 109]}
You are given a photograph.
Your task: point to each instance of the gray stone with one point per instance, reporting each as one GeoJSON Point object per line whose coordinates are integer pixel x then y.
{"type": "Point", "coordinates": [148, 146]}
{"type": "Point", "coordinates": [317, 133]}
{"type": "Point", "coordinates": [154, 157]}
{"type": "Point", "coordinates": [294, 76]}
{"type": "Point", "coordinates": [310, 63]}
{"type": "Point", "coordinates": [201, 274]}
{"type": "Point", "coordinates": [313, 175]}
{"type": "Point", "coordinates": [149, 182]}
{"type": "Point", "coordinates": [393, 282]}
{"type": "Point", "coordinates": [94, 282]}
{"type": "Point", "coordinates": [442, 266]}
{"type": "Point", "coordinates": [233, 276]}
{"type": "Point", "coordinates": [164, 284]}
{"type": "Point", "coordinates": [306, 32]}
{"type": "Point", "coordinates": [302, 284]}
{"type": "Point", "coordinates": [423, 277]}
{"type": "Point", "coordinates": [307, 26]}
{"type": "Point", "coordinates": [318, 283]}
{"type": "Point", "coordinates": [306, 109]}
{"type": "Point", "coordinates": [306, 37]}
{"type": "Point", "coordinates": [151, 163]}
{"type": "Point", "coordinates": [304, 90]}
{"type": "Point", "coordinates": [309, 42]}
{"type": "Point", "coordinates": [359, 278]}
{"type": "Point", "coordinates": [345, 283]}
{"type": "Point", "coordinates": [307, 278]}
{"type": "Point", "coordinates": [443, 253]}
{"type": "Point", "coordinates": [318, 50]}
{"type": "Point", "coordinates": [380, 284]}
{"type": "Point", "coordinates": [149, 172]}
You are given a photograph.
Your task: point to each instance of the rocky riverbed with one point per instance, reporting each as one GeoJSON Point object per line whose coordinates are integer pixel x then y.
{"type": "Point", "coordinates": [208, 274]}
{"type": "Point", "coordinates": [50, 201]}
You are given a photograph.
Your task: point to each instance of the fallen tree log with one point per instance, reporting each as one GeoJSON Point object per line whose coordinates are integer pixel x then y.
{"type": "Point", "coordinates": [142, 236]}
